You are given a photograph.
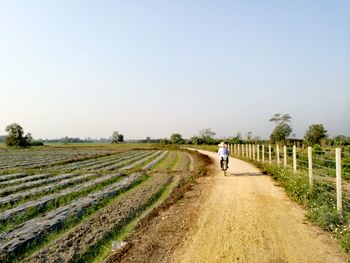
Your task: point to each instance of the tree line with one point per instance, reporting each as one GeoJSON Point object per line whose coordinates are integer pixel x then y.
{"type": "Point", "coordinates": [282, 133]}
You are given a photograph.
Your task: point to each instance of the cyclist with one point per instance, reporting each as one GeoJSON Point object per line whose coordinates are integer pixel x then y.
{"type": "Point", "coordinates": [223, 153]}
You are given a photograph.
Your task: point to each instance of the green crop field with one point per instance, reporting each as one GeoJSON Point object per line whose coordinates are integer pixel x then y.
{"type": "Point", "coordinates": [50, 195]}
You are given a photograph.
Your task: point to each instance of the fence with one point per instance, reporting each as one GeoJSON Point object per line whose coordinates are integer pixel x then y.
{"type": "Point", "coordinates": [320, 164]}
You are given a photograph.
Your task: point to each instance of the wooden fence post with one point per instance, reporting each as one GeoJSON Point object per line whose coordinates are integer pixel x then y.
{"type": "Point", "coordinates": [247, 151]}
{"type": "Point", "coordinates": [263, 153]}
{"type": "Point", "coordinates": [278, 154]}
{"type": "Point", "coordinates": [309, 155]}
{"type": "Point", "coordinates": [250, 151]}
{"type": "Point", "coordinates": [253, 146]}
{"type": "Point", "coordinates": [238, 149]}
{"type": "Point", "coordinates": [294, 159]}
{"type": "Point", "coordinates": [258, 152]}
{"type": "Point", "coordinates": [284, 156]}
{"type": "Point", "coordinates": [338, 176]}
{"type": "Point", "coordinates": [270, 155]}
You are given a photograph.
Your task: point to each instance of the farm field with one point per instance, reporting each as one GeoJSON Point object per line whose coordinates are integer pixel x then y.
{"type": "Point", "coordinates": [68, 204]}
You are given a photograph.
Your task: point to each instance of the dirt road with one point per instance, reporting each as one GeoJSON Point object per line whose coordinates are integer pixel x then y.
{"type": "Point", "coordinates": [247, 218]}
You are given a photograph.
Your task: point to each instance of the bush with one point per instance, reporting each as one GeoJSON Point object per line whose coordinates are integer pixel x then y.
{"type": "Point", "coordinates": [36, 143]}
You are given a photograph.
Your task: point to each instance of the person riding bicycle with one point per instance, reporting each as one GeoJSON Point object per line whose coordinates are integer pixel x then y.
{"type": "Point", "coordinates": [223, 153]}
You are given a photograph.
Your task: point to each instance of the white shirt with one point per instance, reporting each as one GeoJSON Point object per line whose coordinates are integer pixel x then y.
{"type": "Point", "coordinates": [223, 152]}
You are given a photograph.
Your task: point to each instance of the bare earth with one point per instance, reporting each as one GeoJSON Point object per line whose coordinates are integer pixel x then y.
{"type": "Point", "coordinates": [247, 218]}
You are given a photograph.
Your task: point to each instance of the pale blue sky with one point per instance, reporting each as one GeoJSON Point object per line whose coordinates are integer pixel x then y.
{"type": "Point", "coordinates": [151, 68]}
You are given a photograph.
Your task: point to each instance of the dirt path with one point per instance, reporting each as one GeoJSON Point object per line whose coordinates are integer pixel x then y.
{"type": "Point", "coordinates": [248, 219]}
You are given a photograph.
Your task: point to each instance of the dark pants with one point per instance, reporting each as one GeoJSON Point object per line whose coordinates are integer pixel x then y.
{"type": "Point", "coordinates": [221, 161]}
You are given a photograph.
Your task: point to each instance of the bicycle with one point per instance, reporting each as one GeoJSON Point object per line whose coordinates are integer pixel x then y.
{"type": "Point", "coordinates": [224, 166]}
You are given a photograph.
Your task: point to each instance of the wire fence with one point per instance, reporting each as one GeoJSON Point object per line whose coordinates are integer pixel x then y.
{"type": "Point", "coordinates": [328, 169]}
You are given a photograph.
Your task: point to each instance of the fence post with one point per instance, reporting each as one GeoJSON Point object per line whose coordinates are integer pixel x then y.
{"type": "Point", "coordinates": [309, 155]}
{"type": "Point", "coordinates": [270, 156]}
{"type": "Point", "coordinates": [294, 159]}
{"type": "Point", "coordinates": [258, 152]}
{"type": "Point", "coordinates": [284, 156]}
{"type": "Point", "coordinates": [338, 175]}
{"type": "Point", "coordinates": [247, 151]}
{"type": "Point", "coordinates": [238, 149]}
{"type": "Point", "coordinates": [263, 153]}
{"type": "Point", "coordinates": [253, 146]}
{"type": "Point", "coordinates": [278, 154]}
{"type": "Point", "coordinates": [250, 151]}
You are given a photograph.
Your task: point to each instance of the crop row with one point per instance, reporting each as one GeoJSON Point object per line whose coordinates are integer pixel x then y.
{"type": "Point", "coordinates": [43, 209]}
{"type": "Point", "coordinates": [91, 162]}
{"type": "Point", "coordinates": [31, 159]}
{"type": "Point", "coordinates": [8, 197]}
{"type": "Point", "coordinates": [43, 201]}
{"type": "Point", "coordinates": [13, 198]}
{"type": "Point", "coordinates": [85, 240]}
{"type": "Point", "coordinates": [41, 179]}
{"type": "Point", "coordinates": [109, 166]}
{"type": "Point", "coordinates": [34, 230]}
{"type": "Point", "coordinates": [37, 228]}
{"type": "Point", "coordinates": [7, 177]}
{"type": "Point", "coordinates": [17, 210]}
{"type": "Point", "coordinates": [25, 185]}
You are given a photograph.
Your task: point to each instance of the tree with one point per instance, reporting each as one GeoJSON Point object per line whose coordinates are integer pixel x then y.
{"type": "Point", "coordinates": [207, 136]}
{"type": "Point", "coordinates": [120, 138]}
{"type": "Point", "coordinates": [341, 140]}
{"type": "Point", "coordinates": [235, 140]}
{"type": "Point", "coordinates": [116, 137]}
{"type": "Point", "coordinates": [65, 140]}
{"type": "Point", "coordinates": [164, 141]}
{"type": "Point", "coordinates": [207, 133]}
{"type": "Point", "coordinates": [176, 138]}
{"type": "Point", "coordinates": [249, 135]}
{"type": "Point", "coordinates": [197, 140]}
{"type": "Point", "coordinates": [315, 134]}
{"type": "Point", "coordinates": [278, 118]}
{"type": "Point", "coordinates": [282, 130]}
{"type": "Point", "coordinates": [281, 133]}
{"type": "Point", "coordinates": [15, 136]}
{"type": "Point", "coordinates": [148, 139]}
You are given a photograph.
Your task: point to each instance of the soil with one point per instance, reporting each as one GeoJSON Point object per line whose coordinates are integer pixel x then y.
{"type": "Point", "coordinates": [77, 242]}
{"type": "Point", "coordinates": [159, 234]}
{"type": "Point", "coordinates": [243, 217]}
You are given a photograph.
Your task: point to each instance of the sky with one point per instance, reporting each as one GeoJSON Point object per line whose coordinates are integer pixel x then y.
{"type": "Point", "coordinates": [152, 68]}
